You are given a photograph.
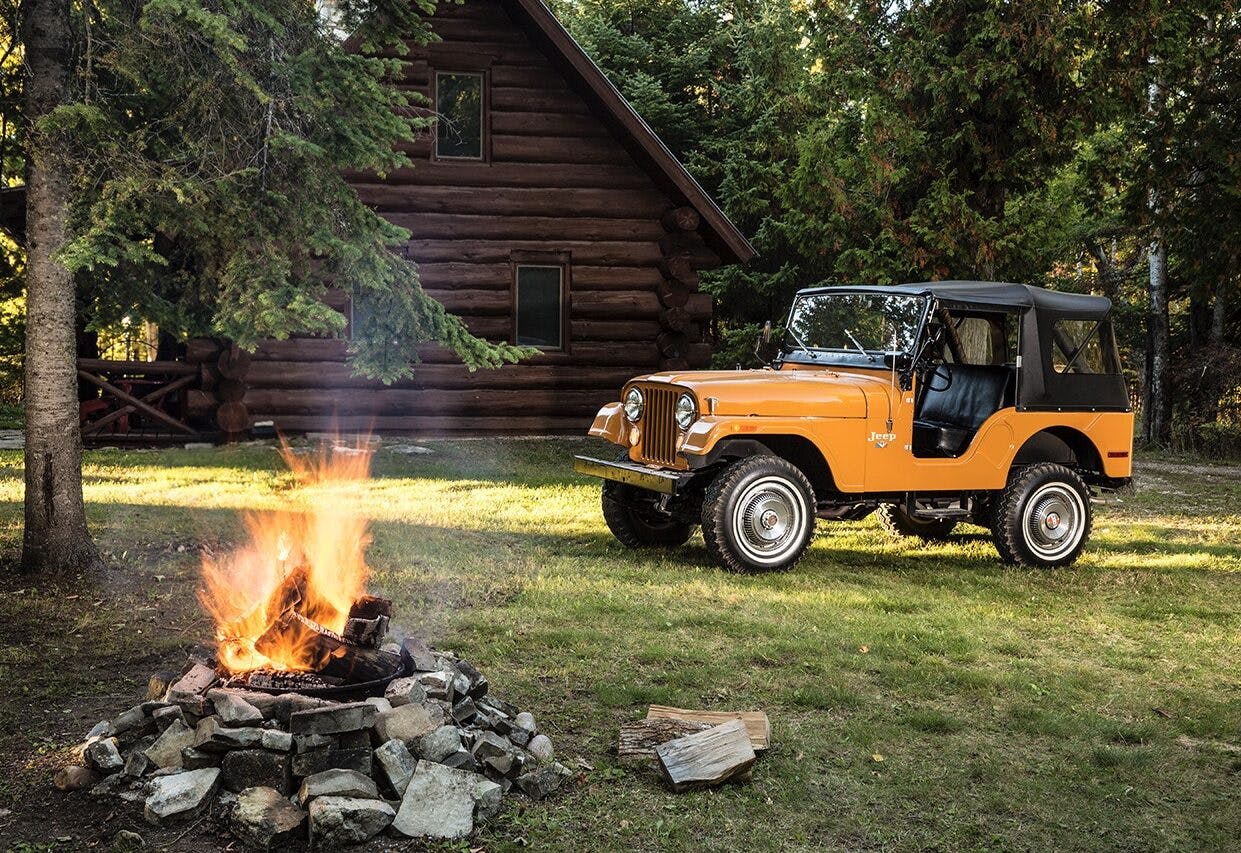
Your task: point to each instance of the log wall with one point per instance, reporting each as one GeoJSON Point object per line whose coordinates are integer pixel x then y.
{"type": "Point", "coordinates": [557, 179]}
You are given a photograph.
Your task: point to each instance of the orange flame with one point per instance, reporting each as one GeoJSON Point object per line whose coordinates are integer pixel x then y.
{"type": "Point", "coordinates": [319, 551]}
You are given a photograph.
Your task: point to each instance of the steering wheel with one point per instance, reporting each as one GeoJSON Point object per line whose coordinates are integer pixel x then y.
{"type": "Point", "coordinates": [945, 375]}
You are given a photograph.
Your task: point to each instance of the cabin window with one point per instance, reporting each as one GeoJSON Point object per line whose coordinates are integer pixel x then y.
{"type": "Point", "coordinates": [539, 310]}
{"type": "Point", "coordinates": [1083, 346]}
{"type": "Point", "coordinates": [459, 115]}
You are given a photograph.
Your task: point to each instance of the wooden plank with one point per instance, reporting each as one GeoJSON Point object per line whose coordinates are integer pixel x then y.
{"type": "Point", "coordinates": [566, 227]}
{"type": "Point", "coordinates": [399, 401]}
{"type": "Point", "coordinates": [557, 149]}
{"type": "Point", "coordinates": [615, 304]}
{"type": "Point", "coordinates": [521, 98]}
{"type": "Point", "coordinates": [331, 374]}
{"type": "Point", "coordinates": [528, 123]}
{"type": "Point", "coordinates": [638, 739]}
{"type": "Point", "coordinates": [641, 354]}
{"type": "Point", "coordinates": [706, 758]}
{"type": "Point", "coordinates": [549, 175]}
{"type": "Point", "coordinates": [593, 202]}
{"type": "Point", "coordinates": [159, 368]}
{"type": "Point", "coordinates": [599, 252]}
{"type": "Point", "coordinates": [756, 722]}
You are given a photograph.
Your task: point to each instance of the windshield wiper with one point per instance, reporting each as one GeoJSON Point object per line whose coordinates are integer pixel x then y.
{"type": "Point", "coordinates": [800, 345]}
{"type": "Point", "coordinates": [860, 348]}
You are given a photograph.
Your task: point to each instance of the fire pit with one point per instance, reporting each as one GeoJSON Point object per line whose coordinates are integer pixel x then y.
{"type": "Point", "coordinates": [305, 692]}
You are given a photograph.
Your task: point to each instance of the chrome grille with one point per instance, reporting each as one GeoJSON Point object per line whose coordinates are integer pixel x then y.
{"type": "Point", "coordinates": [659, 430]}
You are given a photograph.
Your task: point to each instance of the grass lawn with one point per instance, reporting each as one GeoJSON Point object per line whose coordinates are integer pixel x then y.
{"type": "Point", "coordinates": [920, 696]}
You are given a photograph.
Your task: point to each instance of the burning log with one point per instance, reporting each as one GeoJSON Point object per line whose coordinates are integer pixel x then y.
{"type": "Point", "coordinates": [368, 620]}
{"type": "Point", "coordinates": [329, 655]}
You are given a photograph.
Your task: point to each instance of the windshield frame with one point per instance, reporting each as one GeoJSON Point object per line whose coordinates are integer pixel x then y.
{"type": "Point", "coordinates": [793, 352]}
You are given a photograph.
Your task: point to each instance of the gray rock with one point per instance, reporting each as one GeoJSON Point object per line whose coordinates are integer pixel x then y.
{"type": "Point", "coordinates": [491, 745]}
{"type": "Point", "coordinates": [137, 764]}
{"type": "Point", "coordinates": [252, 768]}
{"type": "Point", "coordinates": [232, 709]}
{"type": "Point", "coordinates": [408, 723]}
{"type": "Point", "coordinates": [397, 763]}
{"type": "Point", "coordinates": [441, 802]}
{"type": "Point", "coordinates": [310, 743]}
{"type": "Point", "coordinates": [403, 691]}
{"type": "Point", "coordinates": [526, 721]}
{"type": "Point", "coordinates": [336, 783]}
{"type": "Point", "coordinates": [438, 684]}
{"type": "Point", "coordinates": [180, 796]}
{"type": "Point", "coordinates": [276, 740]}
{"type": "Point", "coordinates": [264, 818]}
{"type": "Point", "coordinates": [418, 656]}
{"type": "Point", "coordinates": [354, 740]}
{"type": "Point", "coordinates": [120, 787]}
{"type": "Point", "coordinates": [131, 719]}
{"type": "Point", "coordinates": [318, 760]}
{"type": "Point", "coordinates": [101, 729]}
{"type": "Point", "coordinates": [544, 781]}
{"type": "Point", "coordinates": [519, 736]}
{"type": "Point", "coordinates": [487, 796]}
{"type": "Point", "coordinates": [105, 756]}
{"type": "Point", "coordinates": [196, 759]}
{"type": "Point", "coordinates": [381, 704]}
{"type": "Point", "coordinates": [492, 704]}
{"type": "Point", "coordinates": [464, 711]}
{"type": "Point", "coordinates": [540, 747]}
{"type": "Point", "coordinates": [341, 821]}
{"type": "Point", "coordinates": [190, 690]}
{"type": "Point", "coordinates": [349, 717]}
{"type": "Point", "coordinates": [212, 736]}
{"type": "Point", "coordinates": [439, 744]}
{"type": "Point", "coordinates": [169, 746]}
{"type": "Point", "coordinates": [463, 760]}
{"type": "Point", "coordinates": [167, 715]}
{"type": "Point", "coordinates": [126, 840]}
{"type": "Point", "coordinates": [477, 682]}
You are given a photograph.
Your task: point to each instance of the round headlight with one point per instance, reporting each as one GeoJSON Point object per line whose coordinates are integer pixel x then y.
{"type": "Point", "coordinates": [686, 411]}
{"type": "Point", "coordinates": [633, 405]}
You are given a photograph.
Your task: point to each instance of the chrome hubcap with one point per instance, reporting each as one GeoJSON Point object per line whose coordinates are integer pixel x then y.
{"type": "Point", "coordinates": [770, 520]}
{"type": "Point", "coordinates": [1054, 520]}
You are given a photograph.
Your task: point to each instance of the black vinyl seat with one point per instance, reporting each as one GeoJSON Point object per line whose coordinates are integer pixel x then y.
{"type": "Point", "coordinates": [948, 418]}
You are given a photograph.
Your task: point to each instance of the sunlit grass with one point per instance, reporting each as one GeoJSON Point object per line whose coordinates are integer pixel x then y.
{"type": "Point", "coordinates": [1008, 708]}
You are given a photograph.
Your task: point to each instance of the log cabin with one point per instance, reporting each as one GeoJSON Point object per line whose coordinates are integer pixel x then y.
{"type": "Point", "coordinates": [542, 209]}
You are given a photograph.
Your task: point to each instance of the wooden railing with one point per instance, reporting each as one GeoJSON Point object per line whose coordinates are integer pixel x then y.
{"type": "Point", "coordinates": [137, 400]}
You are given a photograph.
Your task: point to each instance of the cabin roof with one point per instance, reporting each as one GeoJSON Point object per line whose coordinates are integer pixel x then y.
{"type": "Point", "coordinates": [643, 144]}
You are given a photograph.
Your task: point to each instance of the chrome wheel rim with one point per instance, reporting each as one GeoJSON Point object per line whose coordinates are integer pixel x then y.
{"type": "Point", "coordinates": [770, 519]}
{"type": "Point", "coordinates": [1055, 518]}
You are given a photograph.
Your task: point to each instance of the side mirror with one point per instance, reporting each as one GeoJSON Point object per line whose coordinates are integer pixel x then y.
{"type": "Point", "coordinates": [763, 349]}
{"type": "Point", "coordinates": [767, 334]}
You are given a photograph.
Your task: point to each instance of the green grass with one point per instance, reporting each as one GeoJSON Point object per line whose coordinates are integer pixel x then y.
{"type": "Point", "coordinates": [920, 696]}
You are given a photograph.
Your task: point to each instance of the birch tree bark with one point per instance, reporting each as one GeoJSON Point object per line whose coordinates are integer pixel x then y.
{"type": "Point", "coordinates": [55, 537]}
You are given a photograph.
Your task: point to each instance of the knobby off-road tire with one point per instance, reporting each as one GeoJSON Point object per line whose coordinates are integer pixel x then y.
{"type": "Point", "coordinates": [635, 526]}
{"type": "Point", "coordinates": [898, 522]}
{"type": "Point", "coordinates": [1042, 518]}
{"type": "Point", "coordinates": [758, 515]}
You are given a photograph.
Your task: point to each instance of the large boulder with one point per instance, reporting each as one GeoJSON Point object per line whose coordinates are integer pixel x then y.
{"type": "Point", "coordinates": [340, 821]}
{"type": "Point", "coordinates": [264, 818]}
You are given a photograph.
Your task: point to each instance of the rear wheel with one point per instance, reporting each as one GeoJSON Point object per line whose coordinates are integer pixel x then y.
{"type": "Point", "coordinates": [636, 525]}
{"type": "Point", "coordinates": [758, 515]}
{"type": "Point", "coordinates": [898, 522]}
{"type": "Point", "coordinates": [1043, 517]}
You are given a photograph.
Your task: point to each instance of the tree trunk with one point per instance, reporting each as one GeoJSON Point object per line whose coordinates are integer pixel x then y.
{"type": "Point", "coordinates": [1219, 312]}
{"type": "Point", "coordinates": [1157, 417]}
{"type": "Point", "coordinates": [55, 537]}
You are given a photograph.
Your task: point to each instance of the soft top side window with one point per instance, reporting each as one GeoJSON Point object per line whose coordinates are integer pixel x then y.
{"type": "Point", "coordinates": [1083, 346]}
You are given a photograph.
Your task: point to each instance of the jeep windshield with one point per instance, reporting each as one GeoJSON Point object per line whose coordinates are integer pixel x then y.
{"type": "Point", "coordinates": [852, 328]}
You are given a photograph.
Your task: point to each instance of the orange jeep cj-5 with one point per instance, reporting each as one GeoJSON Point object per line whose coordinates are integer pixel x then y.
{"type": "Point", "coordinates": [998, 404]}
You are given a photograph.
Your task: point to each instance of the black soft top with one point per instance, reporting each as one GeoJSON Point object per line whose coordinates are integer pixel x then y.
{"type": "Point", "coordinates": [988, 294]}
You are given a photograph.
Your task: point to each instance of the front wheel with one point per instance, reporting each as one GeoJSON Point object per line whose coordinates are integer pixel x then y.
{"type": "Point", "coordinates": [637, 526]}
{"type": "Point", "coordinates": [1043, 517]}
{"type": "Point", "coordinates": [894, 519]}
{"type": "Point", "coordinates": [758, 515]}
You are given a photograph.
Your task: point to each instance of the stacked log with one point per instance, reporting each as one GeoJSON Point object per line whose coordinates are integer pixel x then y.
{"type": "Point", "coordinates": [221, 401]}
{"type": "Point", "coordinates": [682, 308]}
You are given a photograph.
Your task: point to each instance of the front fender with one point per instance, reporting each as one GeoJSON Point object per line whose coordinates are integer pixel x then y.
{"type": "Point", "coordinates": [610, 424]}
{"type": "Point", "coordinates": [823, 433]}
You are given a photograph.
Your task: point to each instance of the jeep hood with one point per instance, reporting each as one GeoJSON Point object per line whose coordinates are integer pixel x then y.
{"type": "Point", "coordinates": [776, 393]}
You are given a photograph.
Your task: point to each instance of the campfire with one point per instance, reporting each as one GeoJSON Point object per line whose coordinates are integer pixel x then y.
{"type": "Point", "coordinates": [290, 607]}
{"type": "Point", "coordinates": [307, 692]}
